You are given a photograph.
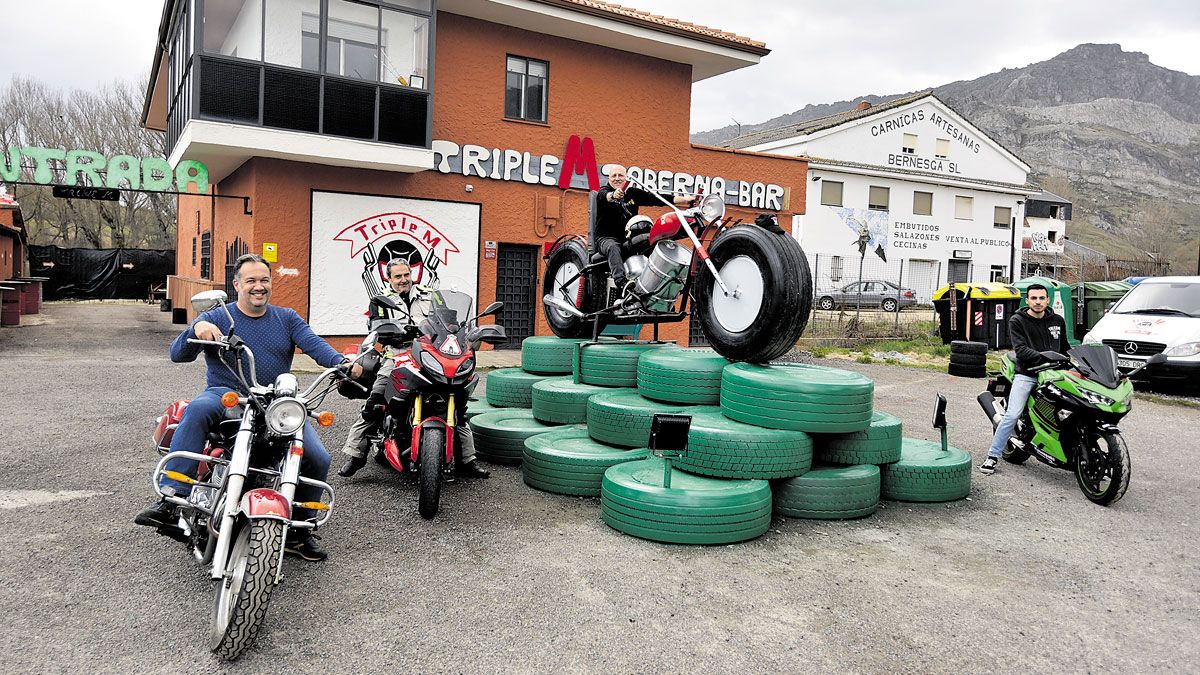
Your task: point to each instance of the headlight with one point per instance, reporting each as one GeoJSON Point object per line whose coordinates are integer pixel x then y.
{"type": "Point", "coordinates": [712, 207]}
{"type": "Point", "coordinates": [429, 361]}
{"type": "Point", "coordinates": [285, 416]}
{"type": "Point", "coordinates": [1098, 399]}
{"type": "Point", "coordinates": [465, 367]}
{"type": "Point", "coordinates": [1090, 339]}
{"type": "Point", "coordinates": [1185, 349]}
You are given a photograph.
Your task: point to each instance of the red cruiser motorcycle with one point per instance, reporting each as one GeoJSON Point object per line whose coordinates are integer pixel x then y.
{"type": "Point", "coordinates": [750, 284]}
{"type": "Point", "coordinates": [428, 389]}
{"type": "Point", "coordinates": [237, 516]}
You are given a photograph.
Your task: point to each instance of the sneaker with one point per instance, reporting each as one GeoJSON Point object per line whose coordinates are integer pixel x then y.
{"type": "Point", "coordinates": [306, 545]}
{"type": "Point", "coordinates": [989, 466]}
{"type": "Point", "coordinates": [160, 515]}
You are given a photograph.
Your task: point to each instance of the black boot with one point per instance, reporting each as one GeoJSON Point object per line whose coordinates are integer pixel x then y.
{"type": "Point", "coordinates": [160, 515]}
{"type": "Point", "coordinates": [352, 466]}
{"type": "Point", "coordinates": [472, 469]}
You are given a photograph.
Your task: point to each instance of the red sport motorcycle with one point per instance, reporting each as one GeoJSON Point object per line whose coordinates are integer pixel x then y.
{"type": "Point", "coordinates": [241, 506]}
{"type": "Point", "coordinates": [428, 389]}
{"type": "Point", "coordinates": [749, 284]}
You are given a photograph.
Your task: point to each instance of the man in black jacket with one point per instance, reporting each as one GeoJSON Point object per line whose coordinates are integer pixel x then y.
{"type": "Point", "coordinates": [617, 203]}
{"type": "Point", "coordinates": [1032, 330]}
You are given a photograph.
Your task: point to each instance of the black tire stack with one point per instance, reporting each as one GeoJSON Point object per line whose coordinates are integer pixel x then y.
{"type": "Point", "coordinates": [968, 359]}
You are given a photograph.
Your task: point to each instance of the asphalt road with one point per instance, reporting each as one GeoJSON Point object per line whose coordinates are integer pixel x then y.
{"type": "Point", "coordinates": [1025, 576]}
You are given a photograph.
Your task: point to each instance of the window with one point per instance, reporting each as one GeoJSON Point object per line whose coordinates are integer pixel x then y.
{"type": "Point", "coordinates": [942, 148]}
{"type": "Point", "coordinates": [281, 44]}
{"type": "Point", "coordinates": [525, 89]}
{"type": "Point", "coordinates": [1003, 217]}
{"type": "Point", "coordinates": [352, 40]}
{"type": "Point", "coordinates": [831, 193]}
{"type": "Point", "coordinates": [998, 273]}
{"type": "Point", "coordinates": [922, 203]}
{"type": "Point", "coordinates": [910, 144]}
{"type": "Point", "coordinates": [835, 269]}
{"type": "Point", "coordinates": [877, 200]}
{"type": "Point", "coordinates": [233, 28]}
{"type": "Point", "coordinates": [964, 208]}
{"type": "Point", "coordinates": [193, 251]}
{"type": "Point", "coordinates": [404, 49]}
{"type": "Point", "coordinates": [206, 255]}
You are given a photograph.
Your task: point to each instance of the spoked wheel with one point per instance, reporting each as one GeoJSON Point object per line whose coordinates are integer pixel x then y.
{"type": "Point", "coordinates": [245, 592]}
{"type": "Point", "coordinates": [1102, 467]}
{"type": "Point", "coordinates": [826, 303]}
{"type": "Point", "coordinates": [431, 459]}
{"type": "Point", "coordinates": [770, 294]}
{"type": "Point", "coordinates": [890, 305]}
{"type": "Point", "coordinates": [561, 280]}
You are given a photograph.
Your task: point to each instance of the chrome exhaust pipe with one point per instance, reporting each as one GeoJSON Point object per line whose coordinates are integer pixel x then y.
{"type": "Point", "coordinates": [561, 304]}
{"type": "Point", "coordinates": [994, 411]}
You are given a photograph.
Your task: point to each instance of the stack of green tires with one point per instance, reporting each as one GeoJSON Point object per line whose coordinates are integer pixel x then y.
{"type": "Point", "coordinates": [500, 435]}
{"type": "Point", "coordinates": [568, 461]}
{"type": "Point", "coordinates": [548, 355]}
{"type": "Point", "coordinates": [512, 387]}
{"type": "Point", "coordinates": [690, 376]}
{"type": "Point", "coordinates": [610, 363]}
{"type": "Point", "coordinates": [926, 473]}
{"type": "Point", "coordinates": [623, 417]}
{"type": "Point", "coordinates": [830, 493]}
{"type": "Point", "coordinates": [478, 407]}
{"type": "Point", "coordinates": [879, 443]}
{"type": "Point", "coordinates": [694, 510]}
{"type": "Point", "coordinates": [797, 396]}
{"type": "Point", "coordinates": [561, 400]}
{"type": "Point", "coordinates": [723, 448]}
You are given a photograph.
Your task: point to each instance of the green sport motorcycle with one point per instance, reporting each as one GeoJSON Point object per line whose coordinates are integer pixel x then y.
{"type": "Point", "coordinates": [1070, 420]}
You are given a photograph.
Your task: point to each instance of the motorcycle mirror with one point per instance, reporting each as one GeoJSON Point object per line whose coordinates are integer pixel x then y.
{"type": "Point", "coordinates": [385, 301]}
{"type": "Point", "coordinates": [206, 300]}
{"type": "Point", "coordinates": [493, 308]}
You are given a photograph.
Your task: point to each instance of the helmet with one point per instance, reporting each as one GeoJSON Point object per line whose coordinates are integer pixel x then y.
{"type": "Point", "coordinates": [638, 224]}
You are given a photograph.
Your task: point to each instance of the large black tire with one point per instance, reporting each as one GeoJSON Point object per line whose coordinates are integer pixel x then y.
{"type": "Point", "coordinates": [722, 448]}
{"type": "Point", "coordinates": [968, 347]}
{"type": "Point", "coordinates": [1103, 469]}
{"type": "Point", "coordinates": [548, 355]}
{"type": "Point", "coordinates": [797, 396]}
{"type": "Point", "coordinates": [569, 257]}
{"type": "Point", "coordinates": [926, 474]}
{"type": "Point", "coordinates": [569, 462]}
{"type": "Point", "coordinates": [560, 400]}
{"type": "Point", "coordinates": [512, 387]}
{"type": "Point", "coordinates": [830, 493]}
{"type": "Point", "coordinates": [969, 360]}
{"type": "Point", "coordinates": [242, 599]}
{"type": "Point", "coordinates": [431, 459]}
{"type": "Point", "coordinates": [691, 376]}
{"type": "Point", "coordinates": [959, 370]}
{"type": "Point", "coordinates": [877, 444]}
{"type": "Point", "coordinates": [612, 363]}
{"type": "Point", "coordinates": [769, 318]}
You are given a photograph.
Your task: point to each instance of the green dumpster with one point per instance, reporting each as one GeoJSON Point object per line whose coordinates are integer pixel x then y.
{"type": "Point", "coordinates": [1060, 300]}
{"type": "Point", "coordinates": [1099, 297]}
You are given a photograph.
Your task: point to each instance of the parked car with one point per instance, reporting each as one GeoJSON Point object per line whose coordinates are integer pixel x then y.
{"type": "Point", "coordinates": [875, 293]}
{"type": "Point", "coordinates": [1159, 315]}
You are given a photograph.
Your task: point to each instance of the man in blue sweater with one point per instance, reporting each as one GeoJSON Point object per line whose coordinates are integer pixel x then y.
{"type": "Point", "coordinates": [273, 334]}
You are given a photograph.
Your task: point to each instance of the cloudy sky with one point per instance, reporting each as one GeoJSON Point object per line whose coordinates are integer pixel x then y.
{"type": "Point", "coordinates": [821, 51]}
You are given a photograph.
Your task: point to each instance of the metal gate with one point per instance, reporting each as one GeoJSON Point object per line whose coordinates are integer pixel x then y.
{"type": "Point", "coordinates": [236, 249]}
{"type": "Point", "coordinates": [958, 272]}
{"type": "Point", "coordinates": [516, 287]}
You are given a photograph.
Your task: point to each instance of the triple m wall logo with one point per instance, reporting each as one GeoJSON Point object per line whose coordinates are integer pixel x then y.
{"type": "Point", "coordinates": [385, 237]}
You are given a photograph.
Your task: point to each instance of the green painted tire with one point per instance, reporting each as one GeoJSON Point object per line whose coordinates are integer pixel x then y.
{"type": "Point", "coordinates": [691, 376]}
{"type": "Point", "coordinates": [877, 444]}
{"type": "Point", "coordinates": [926, 474]}
{"type": "Point", "coordinates": [478, 407]}
{"type": "Point", "coordinates": [723, 448]}
{"type": "Point", "coordinates": [623, 417]}
{"type": "Point", "coordinates": [797, 396]}
{"type": "Point", "coordinates": [611, 364]}
{"type": "Point", "coordinates": [500, 436]}
{"type": "Point", "coordinates": [548, 355]}
{"type": "Point", "coordinates": [830, 493]}
{"type": "Point", "coordinates": [694, 510]}
{"type": "Point", "coordinates": [559, 400]}
{"type": "Point", "coordinates": [568, 461]}
{"type": "Point", "coordinates": [511, 387]}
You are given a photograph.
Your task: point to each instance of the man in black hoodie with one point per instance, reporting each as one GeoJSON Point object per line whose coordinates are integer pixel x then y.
{"type": "Point", "coordinates": [1032, 330]}
{"type": "Point", "coordinates": [617, 203]}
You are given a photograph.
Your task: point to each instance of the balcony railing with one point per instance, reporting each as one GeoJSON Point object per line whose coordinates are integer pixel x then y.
{"type": "Point", "coordinates": [279, 97]}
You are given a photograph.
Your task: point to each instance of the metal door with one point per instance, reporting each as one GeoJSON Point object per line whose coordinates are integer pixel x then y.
{"type": "Point", "coordinates": [958, 272]}
{"type": "Point", "coordinates": [516, 286]}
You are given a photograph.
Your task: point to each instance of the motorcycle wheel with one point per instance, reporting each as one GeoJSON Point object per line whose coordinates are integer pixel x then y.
{"type": "Point", "coordinates": [243, 596]}
{"type": "Point", "coordinates": [1102, 468]}
{"type": "Point", "coordinates": [768, 317]}
{"type": "Point", "coordinates": [431, 458]}
{"type": "Point", "coordinates": [565, 262]}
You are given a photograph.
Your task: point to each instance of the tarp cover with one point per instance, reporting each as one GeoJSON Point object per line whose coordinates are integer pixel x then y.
{"type": "Point", "coordinates": [99, 274]}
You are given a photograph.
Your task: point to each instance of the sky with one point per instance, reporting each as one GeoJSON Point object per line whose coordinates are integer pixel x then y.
{"type": "Point", "coordinates": [821, 51]}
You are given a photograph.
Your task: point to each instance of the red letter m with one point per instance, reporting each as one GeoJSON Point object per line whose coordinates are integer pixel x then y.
{"type": "Point", "coordinates": [580, 152]}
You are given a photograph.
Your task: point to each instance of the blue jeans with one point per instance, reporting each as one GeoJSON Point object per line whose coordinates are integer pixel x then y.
{"type": "Point", "coordinates": [1017, 397]}
{"type": "Point", "coordinates": [206, 410]}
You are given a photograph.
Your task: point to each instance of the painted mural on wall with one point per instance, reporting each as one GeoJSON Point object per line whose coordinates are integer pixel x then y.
{"type": "Point", "coordinates": [354, 237]}
{"type": "Point", "coordinates": [876, 223]}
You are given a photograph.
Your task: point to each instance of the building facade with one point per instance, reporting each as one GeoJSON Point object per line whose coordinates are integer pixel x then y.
{"type": "Point", "coordinates": [935, 199]}
{"type": "Point", "coordinates": [458, 135]}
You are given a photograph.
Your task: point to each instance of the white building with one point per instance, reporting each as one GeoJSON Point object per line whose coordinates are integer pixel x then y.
{"type": "Point", "coordinates": [939, 199]}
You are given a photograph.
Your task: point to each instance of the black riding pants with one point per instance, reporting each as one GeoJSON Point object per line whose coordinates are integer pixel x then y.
{"type": "Point", "coordinates": [611, 248]}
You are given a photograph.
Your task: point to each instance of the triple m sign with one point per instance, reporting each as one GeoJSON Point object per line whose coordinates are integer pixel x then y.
{"type": "Point", "coordinates": [79, 169]}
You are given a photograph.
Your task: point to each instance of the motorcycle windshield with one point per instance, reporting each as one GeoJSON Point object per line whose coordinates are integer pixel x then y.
{"type": "Point", "coordinates": [451, 309]}
{"type": "Point", "coordinates": [1097, 363]}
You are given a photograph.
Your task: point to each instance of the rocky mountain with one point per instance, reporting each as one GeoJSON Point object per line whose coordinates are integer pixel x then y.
{"type": "Point", "coordinates": [1103, 127]}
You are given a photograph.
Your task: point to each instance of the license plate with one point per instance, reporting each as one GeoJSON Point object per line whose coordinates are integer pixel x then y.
{"type": "Point", "coordinates": [1128, 363]}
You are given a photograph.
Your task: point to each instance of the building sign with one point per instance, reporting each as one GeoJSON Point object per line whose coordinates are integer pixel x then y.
{"type": "Point", "coordinates": [579, 169]}
{"type": "Point", "coordinates": [77, 192]}
{"type": "Point", "coordinates": [84, 168]}
{"type": "Point", "coordinates": [354, 237]}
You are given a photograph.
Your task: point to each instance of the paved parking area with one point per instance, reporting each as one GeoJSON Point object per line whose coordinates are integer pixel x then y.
{"type": "Point", "coordinates": [1025, 576]}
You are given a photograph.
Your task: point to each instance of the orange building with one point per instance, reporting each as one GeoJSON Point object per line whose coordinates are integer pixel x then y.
{"type": "Point", "coordinates": [436, 131]}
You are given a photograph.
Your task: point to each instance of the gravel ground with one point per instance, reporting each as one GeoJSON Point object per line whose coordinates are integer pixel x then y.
{"type": "Point", "coordinates": [1025, 576]}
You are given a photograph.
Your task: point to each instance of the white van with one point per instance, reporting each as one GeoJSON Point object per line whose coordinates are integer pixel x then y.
{"type": "Point", "coordinates": [1159, 315]}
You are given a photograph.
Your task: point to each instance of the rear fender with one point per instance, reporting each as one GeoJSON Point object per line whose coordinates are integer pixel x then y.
{"type": "Point", "coordinates": [265, 503]}
{"type": "Point", "coordinates": [428, 423]}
